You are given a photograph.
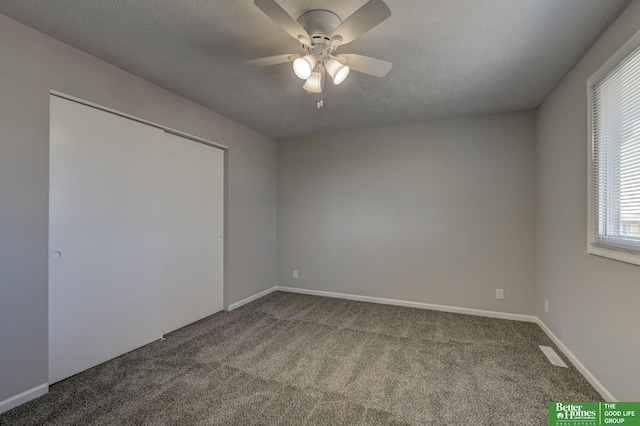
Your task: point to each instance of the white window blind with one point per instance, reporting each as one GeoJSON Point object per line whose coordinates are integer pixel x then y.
{"type": "Point", "coordinates": [615, 156]}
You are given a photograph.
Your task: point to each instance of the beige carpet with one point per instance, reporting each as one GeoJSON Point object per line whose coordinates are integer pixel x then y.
{"type": "Point", "coordinates": [289, 359]}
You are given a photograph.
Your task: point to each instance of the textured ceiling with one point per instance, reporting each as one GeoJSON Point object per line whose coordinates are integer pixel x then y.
{"type": "Point", "coordinates": [450, 57]}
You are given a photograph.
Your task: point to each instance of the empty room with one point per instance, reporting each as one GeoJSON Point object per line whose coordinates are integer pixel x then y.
{"type": "Point", "coordinates": [322, 212]}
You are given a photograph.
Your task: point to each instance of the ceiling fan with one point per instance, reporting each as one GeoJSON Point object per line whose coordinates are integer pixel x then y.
{"type": "Point", "coordinates": [320, 33]}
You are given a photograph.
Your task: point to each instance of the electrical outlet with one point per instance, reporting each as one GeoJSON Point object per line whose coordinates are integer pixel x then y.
{"type": "Point", "coordinates": [546, 305]}
{"type": "Point", "coordinates": [499, 293]}
{"type": "Point", "coordinates": [295, 275]}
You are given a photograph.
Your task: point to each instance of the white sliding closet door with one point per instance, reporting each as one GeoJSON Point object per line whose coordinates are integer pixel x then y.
{"type": "Point", "coordinates": [135, 235]}
{"type": "Point", "coordinates": [103, 221]}
{"type": "Point", "coordinates": [193, 212]}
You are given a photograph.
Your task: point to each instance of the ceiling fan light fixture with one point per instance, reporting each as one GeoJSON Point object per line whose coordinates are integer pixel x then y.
{"type": "Point", "coordinates": [314, 83]}
{"type": "Point", "coordinates": [303, 67]}
{"type": "Point", "coordinates": [337, 71]}
{"type": "Point", "coordinates": [320, 32]}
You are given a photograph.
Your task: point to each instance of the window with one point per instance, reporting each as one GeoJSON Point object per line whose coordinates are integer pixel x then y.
{"type": "Point", "coordinates": [614, 169]}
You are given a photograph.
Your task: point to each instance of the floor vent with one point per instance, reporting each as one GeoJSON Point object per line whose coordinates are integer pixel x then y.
{"type": "Point", "coordinates": [552, 356]}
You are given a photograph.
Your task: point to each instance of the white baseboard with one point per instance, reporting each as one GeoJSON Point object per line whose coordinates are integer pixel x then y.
{"type": "Point", "coordinates": [419, 305]}
{"type": "Point", "coordinates": [23, 397]}
{"type": "Point", "coordinates": [604, 392]}
{"type": "Point", "coordinates": [250, 299]}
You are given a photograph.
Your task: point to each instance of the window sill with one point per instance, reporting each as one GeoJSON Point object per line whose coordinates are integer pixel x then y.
{"type": "Point", "coordinates": [620, 256]}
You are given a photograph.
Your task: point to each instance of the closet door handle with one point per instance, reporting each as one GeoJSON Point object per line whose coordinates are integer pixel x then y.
{"type": "Point", "coordinates": [55, 255]}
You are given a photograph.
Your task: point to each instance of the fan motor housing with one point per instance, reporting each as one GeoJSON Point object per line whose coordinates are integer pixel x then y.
{"type": "Point", "coordinates": [320, 25]}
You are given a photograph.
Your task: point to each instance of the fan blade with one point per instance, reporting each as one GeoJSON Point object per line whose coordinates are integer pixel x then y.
{"type": "Point", "coordinates": [365, 18]}
{"type": "Point", "coordinates": [366, 64]}
{"type": "Point", "coordinates": [271, 60]}
{"type": "Point", "coordinates": [282, 18]}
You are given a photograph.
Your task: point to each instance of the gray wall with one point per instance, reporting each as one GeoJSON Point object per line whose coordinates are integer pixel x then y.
{"type": "Point", "coordinates": [24, 197]}
{"type": "Point", "coordinates": [593, 301]}
{"type": "Point", "coordinates": [36, 60]}
{"type": "Point", "coordinates": [439, 212]}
